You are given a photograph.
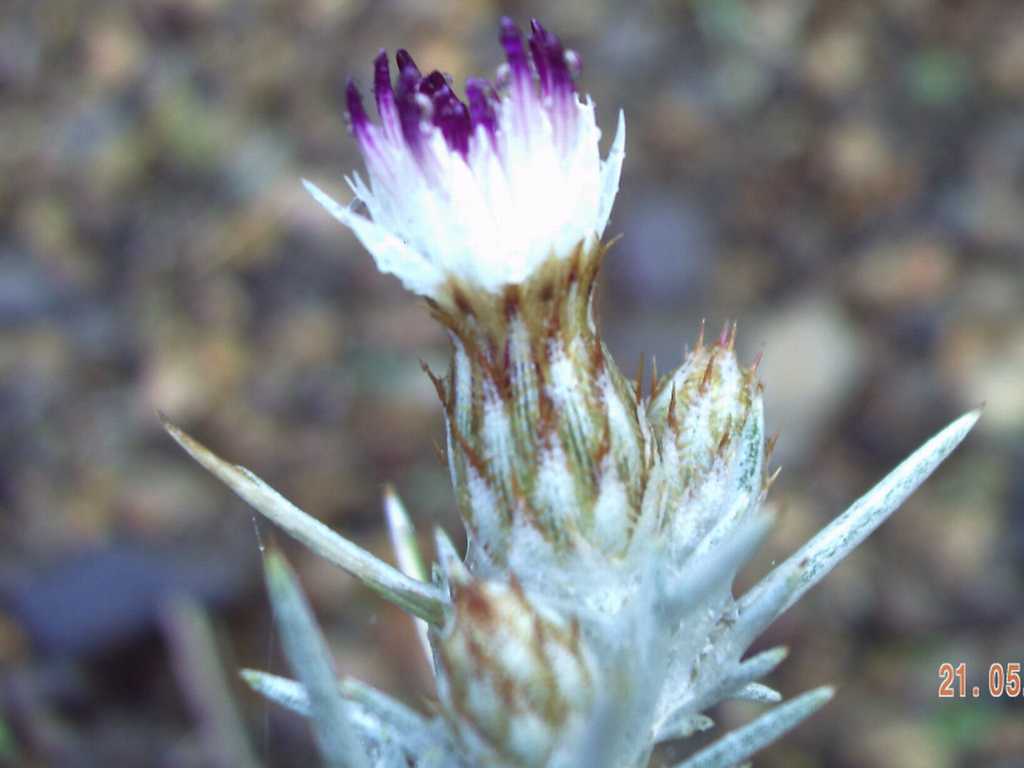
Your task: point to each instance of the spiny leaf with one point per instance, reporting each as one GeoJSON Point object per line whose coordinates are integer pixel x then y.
{"type": "Point", "coordinates": [407, 553]}
{"type": "Point", "coordinates": [716, 568]}
{"type": "Point", "coordinates": [789, 581]}
{"type": "Point", "coordinates": [367, 706]}
{"type": "Point", "coordinates": [743, 742]}
{"type": "Point", "coordinates": [308, 655]}
{"type": "Point", "coordinates": [758, 692]}
{"type": "Point", "coordinates": [417, 597]}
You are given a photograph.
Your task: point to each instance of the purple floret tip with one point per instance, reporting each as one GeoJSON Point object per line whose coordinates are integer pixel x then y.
{"type": "Point", "coordinates": [512, 42]}
{"type": "Point", "coordinates": [449, 114]}
{"type": "Point", "coordinates": [382, 81]}
{"type": "Point", "coordinates": [354, 104]}
{"type": "Point", "coordinates": [404, 61]}
{"type": "Point", "coordinates": [452, 117]}
{"type": "Point", "coordinates": [413, 103]}
{"type": "Point", "coordinates": [540, 63]}
{"type": "Point", "coordinates": [549, 60]}
{"type": "Point", "coordinates": [410, 111]}
{"type": "Point", "coordinates": [479, 93]}
{"type": "Point", "coordinates": [434, 83]}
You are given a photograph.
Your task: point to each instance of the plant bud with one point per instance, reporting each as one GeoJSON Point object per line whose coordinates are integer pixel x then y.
{"type": "Point", "coordinates": [545, 437]}
{"type": "Point", "coordinates": [709, 428]}
{"type": "Point", "coordinates": [516, 679]}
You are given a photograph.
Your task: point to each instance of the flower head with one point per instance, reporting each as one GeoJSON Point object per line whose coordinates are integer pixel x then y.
{"type": "Point", "coordinates": [493, 209]}
{"type": "Point", "coordinates": [483, 190]}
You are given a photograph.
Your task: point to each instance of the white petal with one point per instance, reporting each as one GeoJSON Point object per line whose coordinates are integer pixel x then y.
{"type": "Point", "coordinates": [611, 170]}
{"type": "Point", "coordinates": [392, 255]}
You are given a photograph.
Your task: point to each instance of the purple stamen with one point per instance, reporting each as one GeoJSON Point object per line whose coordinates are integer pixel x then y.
{"type": "Point", "coordinates": [452, 117]}
{"type": "Point", "coordinates": [404, 61]}
{"type": "Point", "coordinates": [449, 114]}
{"type": "Point", "coordinates": [415, 102]}
{"type": "Point", "coordinates": [550, 61]}
{"type": "Point", "coordinates": [434, 83]}
{"type": "Point", "coordinates": [480, 95]}
{"type": "Point", "coordinates": [540, 58]}
{"type": "Point", "coordinates": [512, 42]}
{"type": "Point", "coordinates": [407, 97]}
{"type": "Point", "coordinates": [356, 113]}
{"type": "Point", "coordinates": [382, 91]}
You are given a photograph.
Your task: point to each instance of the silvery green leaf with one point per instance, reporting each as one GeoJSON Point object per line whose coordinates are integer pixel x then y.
{"type": "Point", "coordinates": [758, 692]}
{"type": "Point", "coordinates": [197, 666]}
{"type": "Point", "coordinates": [308, 655]}
{"type": "Point", "coordinates": [759, 665]}
{"type": "Point", "coordinates": [789, 581]}
{"type": "Point", "coordinates": [280, 690]}
{"type": "Point", "coordinates": [593, 745]}
{"type": "Point", "coordinates": [729, 686]}
{"type": "Point", "coordinates": [407, 553]}
{"type": "Point", "coordinates": [741, 676]}
{"type": "Point", "coordinates": [743, 742]}
{"type": "Point", "coordinates": [716, 568]}
{"type": "Point", "coordinates": [375, 715]}
{"type": "Point", "coordinates": [682, 724]}
{"type": "Point", "coordinates": [417, 597]}
{"type": "Point", "coordinates": [451, 568]}
{"type": "Point", "coordinates": [403, 536]}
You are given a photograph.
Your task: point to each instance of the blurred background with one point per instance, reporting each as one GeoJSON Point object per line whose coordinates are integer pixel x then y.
{"type": "Point", "coordinates": [846, 179]}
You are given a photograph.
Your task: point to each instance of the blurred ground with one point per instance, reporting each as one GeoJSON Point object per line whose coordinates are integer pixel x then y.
{"type": "Point", "coordinates": [844, 178]}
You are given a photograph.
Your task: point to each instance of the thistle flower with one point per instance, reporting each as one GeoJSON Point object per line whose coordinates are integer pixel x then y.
{"type": "Point", "coordinates": [593, 615]}
{"type": "Point", "coordinates": [480, 193]}
{"type": "Point", "coordinates": [494, 212]}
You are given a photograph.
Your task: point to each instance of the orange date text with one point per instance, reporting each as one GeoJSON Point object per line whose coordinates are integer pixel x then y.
{"type": "Point", "coordinates": [1003, 680]}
